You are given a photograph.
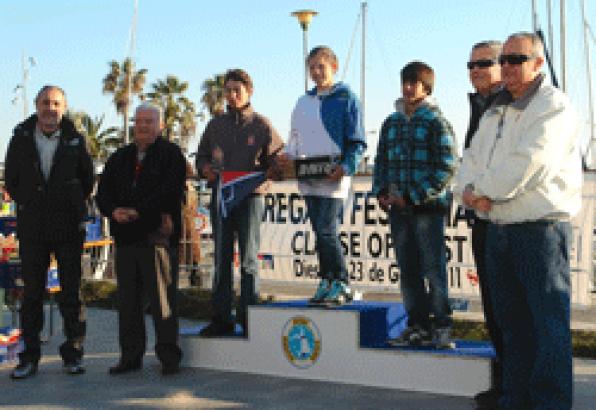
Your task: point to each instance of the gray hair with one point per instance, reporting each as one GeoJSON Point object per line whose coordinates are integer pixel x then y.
{"type": "Point", "coordinates": [495, 46]}
{"type": "Point", "coordinates": [537, 45]}
{"type": "Point", "coordinates": [47, 88]}
{"type": "Point", "coordinates": [151, 107]}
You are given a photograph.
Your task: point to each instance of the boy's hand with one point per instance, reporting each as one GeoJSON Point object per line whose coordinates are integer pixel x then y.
{"type": "Point", "coordinates": [397, 200]}
{"type": "Point", "coordinates": [279, 164]}
{"type": "Point", "coordinates": [384, 203]}
{"type": "Point", "coordinates": [208, 173]}
{"type": "Point", "coordinates": [336, 174]}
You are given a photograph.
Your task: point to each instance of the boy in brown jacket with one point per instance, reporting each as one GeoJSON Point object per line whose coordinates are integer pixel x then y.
{"type": "Point", "coordinates": [238, 140]}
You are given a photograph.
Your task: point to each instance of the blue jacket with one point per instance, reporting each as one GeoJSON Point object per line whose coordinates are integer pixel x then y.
{"type": "Point", "coordinates": [328, 124]}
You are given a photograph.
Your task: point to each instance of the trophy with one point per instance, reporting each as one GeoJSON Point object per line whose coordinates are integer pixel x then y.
{"type": "Point", "coordinates": [309, 167]}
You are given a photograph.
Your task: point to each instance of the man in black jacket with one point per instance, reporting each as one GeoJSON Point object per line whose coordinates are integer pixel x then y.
{"type": "Point", "coordinates": [141, 190]}
{"type": "Point", "coordinates": [485, 76]}
{"type": "Point", "coordinates": [49, 174]}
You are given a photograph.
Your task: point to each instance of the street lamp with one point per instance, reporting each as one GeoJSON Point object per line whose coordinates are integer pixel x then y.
{"type": "Point", "coordinates": [304, 18]}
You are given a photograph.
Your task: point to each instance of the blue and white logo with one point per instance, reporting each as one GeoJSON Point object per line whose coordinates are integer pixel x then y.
{"type": "Point", "coordinates": [301, 342]}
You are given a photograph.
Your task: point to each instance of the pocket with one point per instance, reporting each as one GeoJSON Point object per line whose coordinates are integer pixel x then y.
{"type": "Point", "coordinates": [74, 193]}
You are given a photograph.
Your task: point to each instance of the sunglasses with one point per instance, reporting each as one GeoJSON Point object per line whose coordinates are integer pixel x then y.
{"type": "Point", "coordinates": [514, 59]}
{"type": "Point", "coordinates": [480, 64]}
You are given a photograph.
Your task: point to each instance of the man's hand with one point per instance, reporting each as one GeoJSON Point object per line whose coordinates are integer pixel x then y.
{"type": "Point", "coordinates": [483, 204]}
{"type": "Point", "coordinates": [336, 174]}
{"type": "Point", "coordinates": [468, 198]}
{"type": "Point", "coordinates": [125, 215]}
{"type": "Point", "coordinates": [208, 173]}
{"type": "Point", "coordinates": [479, 203]}
{"type": "Point", "coordinates": [167, 226]}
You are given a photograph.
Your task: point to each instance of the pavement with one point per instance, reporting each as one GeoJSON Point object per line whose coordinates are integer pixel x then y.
{"type": "Point", "coordinates": [207, 389]}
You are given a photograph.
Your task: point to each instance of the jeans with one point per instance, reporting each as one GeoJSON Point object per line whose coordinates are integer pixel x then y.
{"type": "Point", "coordinates": [419, 241]}
{"type": "Point", "coordinates": [324, 213]}
{"type": "Point", "coordinates": [244, 220]}
{"type": "Point", "coordinates": [528, 267]}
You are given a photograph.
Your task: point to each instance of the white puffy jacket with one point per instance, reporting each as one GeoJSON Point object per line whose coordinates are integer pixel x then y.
{"type": "Point", "coordinates": [525, 158]}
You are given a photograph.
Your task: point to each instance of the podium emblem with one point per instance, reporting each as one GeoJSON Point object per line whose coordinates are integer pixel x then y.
{"type": "Point", "coordinates": [301, 342]}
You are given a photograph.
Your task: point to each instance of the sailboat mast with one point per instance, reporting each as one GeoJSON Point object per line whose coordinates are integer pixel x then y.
{"type": "Point", "coordinates": [549, 11]}
{"type": "Point", "coordinates": [363, 64]}
{"type": "Point", "coordinates": [534, 17]}
{"type": "Point", "coordinates": [588, 71]}
{"type": "Point", "coordinates": [563, 47]}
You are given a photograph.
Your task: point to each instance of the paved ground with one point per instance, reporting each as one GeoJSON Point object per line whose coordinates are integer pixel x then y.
{"type": "Point", "coordinates": [207, 389]}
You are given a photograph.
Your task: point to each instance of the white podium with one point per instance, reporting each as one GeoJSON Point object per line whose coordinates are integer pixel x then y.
{"type": "Point", "coordinates": [344, 345]}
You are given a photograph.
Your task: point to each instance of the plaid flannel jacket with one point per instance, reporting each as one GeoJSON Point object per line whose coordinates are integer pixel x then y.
{"type": "Point", "coordinates": [416, 157]}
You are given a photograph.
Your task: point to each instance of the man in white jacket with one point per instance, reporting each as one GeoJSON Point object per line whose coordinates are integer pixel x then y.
{"type": "Point", "coordinates": [522, 171]}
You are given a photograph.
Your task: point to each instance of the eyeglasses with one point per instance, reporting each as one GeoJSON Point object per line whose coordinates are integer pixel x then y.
{"type": "Point", "coordinates": [514, 59]}
{"type": "Point", "coordinates": [480, 64]}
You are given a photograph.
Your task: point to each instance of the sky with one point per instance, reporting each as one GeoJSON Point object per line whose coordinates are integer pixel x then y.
{"type": "Point", "coordinates": [72, 42]}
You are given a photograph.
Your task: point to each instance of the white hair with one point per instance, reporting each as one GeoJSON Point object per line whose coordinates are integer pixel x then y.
{"type": "Point", "coordinates": [151, 107]}
{"type": "Point", "coordinates": [495, 46]}
{"type": "Point", "coordinates": [537, 45]}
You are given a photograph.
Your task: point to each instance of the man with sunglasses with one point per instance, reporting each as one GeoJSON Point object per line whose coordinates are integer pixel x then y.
{"type": "Point", "coordinates": [523, 172]}
{"type": "Point", "coordinates": [485, 75]}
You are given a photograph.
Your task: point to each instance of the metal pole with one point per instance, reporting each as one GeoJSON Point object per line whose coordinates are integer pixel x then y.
{"type": "Point", "coordinates": [549, 10]}
{"type": "Point", "coordinates": [363, 64]}
{"type": "Point", "coordinates": [24, 89]}
{"type": "Point", "coordinates": [563, 53]}
{"type": "Point", "coordinates": [534, 17]}
{"type": "Point", "coordinates": [133, 29]}
{"type": "Point", "coordinates": [305, 54]}
{"type": "Point", "coordinates": [588, 72]}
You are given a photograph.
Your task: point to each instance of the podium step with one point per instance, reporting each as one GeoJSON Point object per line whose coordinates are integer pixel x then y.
{"type": "Point", "coordinates": [343, 344]}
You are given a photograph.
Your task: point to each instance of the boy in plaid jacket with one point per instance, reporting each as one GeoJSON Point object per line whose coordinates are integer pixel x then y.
{"type": "Point", "coordinates": [415, 161]}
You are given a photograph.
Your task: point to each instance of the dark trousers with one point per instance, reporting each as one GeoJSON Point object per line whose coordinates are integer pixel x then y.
{"type": "Point", "coordinates": [479, 250]}
{"type": "Point", "coordinates": [419, 241]}
{"type": "Point", "coordinates": [35, 260]}
{"type": "Point", "coordinates": [149, 271]}
{"type": "Point", "coordinates": [529, 273]}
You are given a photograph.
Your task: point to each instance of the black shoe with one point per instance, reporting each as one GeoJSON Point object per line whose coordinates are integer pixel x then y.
{"type": "Point", "coordinates": [216, 329]}
{"type": "Point", "coordinates": [74, 367]}
{"type": "Point", "coordinates": [488, 399]}
{"type": "Point", "coordinates": [126, 367]}
{"type": "Point", "coordinates": [170, 369]}
{"type": "Point", "coordinates": [24, 370]}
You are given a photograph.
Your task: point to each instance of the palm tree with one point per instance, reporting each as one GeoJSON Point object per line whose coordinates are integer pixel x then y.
{"type": "Point", "coordinates": [123, 83]}
{"type": "Point", "coordinates": [213, 95]}
{"type": "Point", "coordinates": [179, 111]}
{"type": "Point", "coordinates": [99, 141]}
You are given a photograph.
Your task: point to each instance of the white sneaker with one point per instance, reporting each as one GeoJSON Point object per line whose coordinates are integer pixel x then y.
{"type": "Point", "coordinates": [442, 338]}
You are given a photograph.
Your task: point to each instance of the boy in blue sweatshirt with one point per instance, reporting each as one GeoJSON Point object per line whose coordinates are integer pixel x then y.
{"type": "Point", "coordinates": [415, 161]}
{"type": "Point", "coordinates": [326, 122]}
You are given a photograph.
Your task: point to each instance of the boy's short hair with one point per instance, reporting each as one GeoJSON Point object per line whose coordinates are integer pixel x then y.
{"type": "Point", "coordinates": [419, 71]}
{"type": "Point", "coordinates": [238, 74]}
{"type": "Point", "coordinates": [323, 51]}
